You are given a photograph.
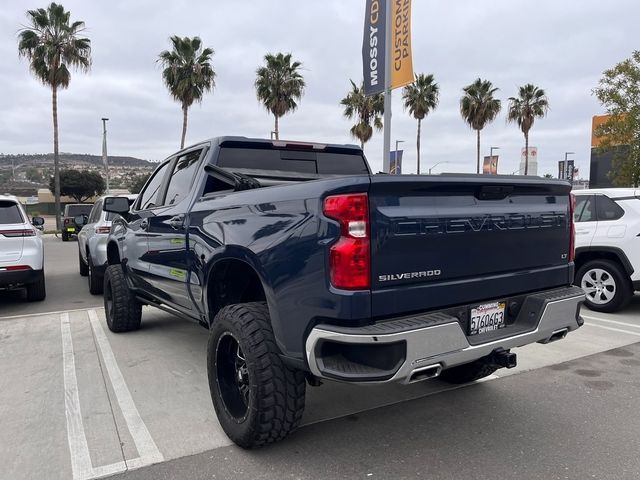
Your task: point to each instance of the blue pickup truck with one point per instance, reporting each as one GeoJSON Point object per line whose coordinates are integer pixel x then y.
{"type": "Point", "coordinates": [304, 266]}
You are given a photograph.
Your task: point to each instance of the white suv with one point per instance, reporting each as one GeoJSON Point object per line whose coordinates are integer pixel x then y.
{"type": "Point", "coordinates": [608, 246]}
{"type": "Point", "coordinates": [21, 250]}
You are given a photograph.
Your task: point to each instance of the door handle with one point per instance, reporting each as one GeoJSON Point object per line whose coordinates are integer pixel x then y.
{"type": "Point", "coordinates": [177, 222]}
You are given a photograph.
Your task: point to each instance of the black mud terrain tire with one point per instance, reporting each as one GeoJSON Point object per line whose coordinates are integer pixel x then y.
{"type": "Point", "coordinates": [96, 281]}
{"type": "Point", "coordinates": [606, 285]}
{"type": "Point", "coordinates": [36, 291]}
{"type": "Point", "coordinates": [65, 237]}
{"type": "Point", "coordinates": [122, 309]}
{"type": "Point", "coordinates": [468, 372]}
{"type": "Point", "coordinates": [84, 268]}
{"type": "Point", "coordinates": [258, 399]}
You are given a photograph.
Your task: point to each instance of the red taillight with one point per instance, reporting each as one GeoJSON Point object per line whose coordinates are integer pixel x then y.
{"type": "Point", "coordinates": [572, 229]}
{"type": "Point", "coordinates": [349, 257]}
{"type": "Point", "coordinates": [15, 268]}
{"type": "Point", "coordinates": [67, 221]}
{"type": "Point", "coordinates": [26, 232]}
{"type": "Point", "coordinates": [103, 229]}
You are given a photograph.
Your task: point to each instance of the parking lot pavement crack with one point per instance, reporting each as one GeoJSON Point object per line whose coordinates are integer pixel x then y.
{"type": "Point", "coordinates": [109, 399]}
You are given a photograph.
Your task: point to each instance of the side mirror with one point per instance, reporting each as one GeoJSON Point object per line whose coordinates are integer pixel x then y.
{"type": "Point", "coordinates": [37, 221]}
{"type": "Point", "coordinates": [80, 220]}
{"type": "Point", "coordinates": [119, 205]}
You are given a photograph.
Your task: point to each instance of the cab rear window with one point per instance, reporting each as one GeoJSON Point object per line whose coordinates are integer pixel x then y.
{"type": "Point", "coordinates": [10, 212]}
{"type": "Point", "coordinates": [75, 210]}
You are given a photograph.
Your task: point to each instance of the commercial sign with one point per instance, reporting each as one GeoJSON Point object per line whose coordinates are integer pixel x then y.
{"type": "Point", "coordinates": [532, 168]}
{"type": "Point", "coordinates": [396, 162]}
{"type": "Point", "coordinates": [401, 57]}
{"type": "Point", "coordinates": [561, 170]}
{"type": "Point", "coordinates": [373, 47]}
{"type": "Point", "coordinates": [490, 165]}
{"type": "Point", "coordinates": [570, 170]}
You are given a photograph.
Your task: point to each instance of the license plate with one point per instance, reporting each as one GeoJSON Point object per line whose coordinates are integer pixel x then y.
{"type": "Point", "coordinates": [71, 229]}
{"type": "Point", "coordinates": [487, 318]}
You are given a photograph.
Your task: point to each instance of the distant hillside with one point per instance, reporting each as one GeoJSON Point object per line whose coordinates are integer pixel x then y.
{"type": "Point", "coordinates": [71, 159]}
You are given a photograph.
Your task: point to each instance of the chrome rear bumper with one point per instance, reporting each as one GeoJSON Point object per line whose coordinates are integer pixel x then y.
{"type": "Point", "coordinates": [438, 342]}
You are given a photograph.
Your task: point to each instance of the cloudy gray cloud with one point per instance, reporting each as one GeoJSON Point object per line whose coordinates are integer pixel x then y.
{"type": "Point", "coordinates": [560, 46]}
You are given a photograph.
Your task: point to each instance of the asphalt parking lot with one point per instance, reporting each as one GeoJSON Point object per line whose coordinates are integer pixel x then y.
{"type": "Point", "coordinates": [78, 402]}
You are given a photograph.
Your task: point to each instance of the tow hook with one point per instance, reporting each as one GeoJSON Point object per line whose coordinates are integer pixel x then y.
{"type": "Point", "coordinates": [502, 358]}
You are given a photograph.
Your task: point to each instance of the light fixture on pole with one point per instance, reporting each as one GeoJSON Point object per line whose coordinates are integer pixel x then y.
{"type": "Point", "coordinates": [434, 166]}
{"type": "Point", "coordinates": [104, 149]}
{"type": "Point", "coordinates": [492, 149]}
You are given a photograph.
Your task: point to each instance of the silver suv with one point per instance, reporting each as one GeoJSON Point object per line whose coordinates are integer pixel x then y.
{"type": "Point", "coordinates": [92, 244]}
{"type": "Point", "coordinates": [21, 250]}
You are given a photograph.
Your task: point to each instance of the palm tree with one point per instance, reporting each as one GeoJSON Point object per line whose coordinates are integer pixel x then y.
{"type": "Point", "coordinates": [278, 85]}
{"type": "Point", "coordinates": [530, 104]}
{"type": "Point", "coordinates": [365, 110]}
{"type": "Point", "coordinates": [53, 45]}
{"type": "Point", "coordinates": [420, 98]}
{"type": "Point", "coordinates": [187, 73]}
{"type": "Point", "coordinates": [478, 107]}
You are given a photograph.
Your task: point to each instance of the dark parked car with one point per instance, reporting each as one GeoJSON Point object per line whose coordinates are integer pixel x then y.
{"type": "Point", "coordinates": [306, 267]}
{"type": "Point", "coordinates": [72, 212]}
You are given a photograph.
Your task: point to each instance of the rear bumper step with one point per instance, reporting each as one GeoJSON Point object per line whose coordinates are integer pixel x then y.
{"type": "Point", "coordinates": [418, 348]}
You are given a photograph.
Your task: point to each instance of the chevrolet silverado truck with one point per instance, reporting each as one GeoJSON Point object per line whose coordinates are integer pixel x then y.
{"type": "Point", "coordinates": [304, 266]}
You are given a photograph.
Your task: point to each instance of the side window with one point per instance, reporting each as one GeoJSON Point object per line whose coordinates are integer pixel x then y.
{"type": "Point", "coordinates": [585, 209]}
{"type": "Point", "coordinates": [148, 196]}
{"type": "Point", "coordinates": [181, 180]}
{"type": "Point", "coordinates": [607, 209]}
{"type": "Point", "coordinates": [94, 216]}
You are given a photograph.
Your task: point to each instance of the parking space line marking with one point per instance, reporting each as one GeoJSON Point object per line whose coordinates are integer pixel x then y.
{"type": "Point", "coordinates": [628, 332]}
{"type": "Point", "coordinates": [615, 322]}
{"type": "Point", "coordinates": [147, 448]}
{"type": "Point", "coordinates": [78, 448]}
{"type": "Point", "coordinates": [40, 314]}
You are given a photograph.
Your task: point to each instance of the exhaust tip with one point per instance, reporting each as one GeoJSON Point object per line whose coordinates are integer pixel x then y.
{"type": "Point", "coordinates": [425, 373]}
{"type": "Point", "coordinates": [558, 335]}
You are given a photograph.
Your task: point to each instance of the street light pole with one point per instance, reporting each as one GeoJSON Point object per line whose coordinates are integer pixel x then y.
{"type": "Point", "coordinates": [492, 149]}
{"type": "Point", "coordinates": [104, 149]}
{"type": "Point", "coordinates": [434, 166]}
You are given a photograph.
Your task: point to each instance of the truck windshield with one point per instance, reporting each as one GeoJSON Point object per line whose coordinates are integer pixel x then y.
{"type": "Point", "coordinates": [303, 161]}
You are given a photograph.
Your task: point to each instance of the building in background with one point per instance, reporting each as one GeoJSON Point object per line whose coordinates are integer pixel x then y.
{"type": "Point", "coordinates": [533, 161]}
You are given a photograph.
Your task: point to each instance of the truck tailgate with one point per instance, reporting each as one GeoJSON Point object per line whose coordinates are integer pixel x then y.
{"type": "Point", "coordinates": [455, 239]}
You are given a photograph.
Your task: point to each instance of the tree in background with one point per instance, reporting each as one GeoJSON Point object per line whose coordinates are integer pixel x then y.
{"type": "Point", "coordinates": [531, 103]}
{"type": "Point", "coordinates": [33, 174]}
{"type": "Point", "coordinates": [619, 93]}
{"type": "Point", "coordinates": [53, 45]}
{"type": "Point", "coordinates": [136, 182]}
{"type": "Point", "coordinates": [279, 85]}
{"type": "Point", "coordinates": [80, 186]}
{"type": "Point", "coordinates": [187, 73]}
{"type": "Point", "coordinates": [478, 107]}
{"type": "Point", "coordinates": [365, 110]}
{"type": "Point", "coordinates": [420, 98]}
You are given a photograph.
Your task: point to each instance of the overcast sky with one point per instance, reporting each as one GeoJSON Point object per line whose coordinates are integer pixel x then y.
{"type": "Point", "coordinates": [560, 46]}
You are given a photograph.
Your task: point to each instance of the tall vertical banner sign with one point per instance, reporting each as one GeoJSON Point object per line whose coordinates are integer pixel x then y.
{"type": "Point", "coordinates": [570, 169]}
{"type": "Point", "coordinates": [490, 165]}
{"type": "Point", "coordinates": [396, 163]}
{"type": "Point", "coordinates": [373, 47]}
{"type": "Point", "coordinates": [561, 170]}
{"type": "Point", "coordinates": [401, 57]}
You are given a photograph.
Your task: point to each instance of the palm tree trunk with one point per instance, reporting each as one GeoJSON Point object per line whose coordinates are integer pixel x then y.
{"type": "Point", "coordinates": [526, 153]}
{"type": "Point", "coordinates": [362, 144]}
{"type": "Point", "coordinates": [418, 147]}
{"type": "Point", "coordinates": [56, 153]}
{"type": "Point", "coordinates": [478, 152]}
{"type": "Point", "coordinates": [185, 112]}
{"type": "Point", "coordinates": [276, 128]}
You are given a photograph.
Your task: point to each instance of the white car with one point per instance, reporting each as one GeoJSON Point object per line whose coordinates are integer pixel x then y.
{"type": "Point", "coordinates": [21, 250]}
{"type": "Point", "coordinates": [92, 244]}
{"type": "Point", "coordinates": [607, 246]}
